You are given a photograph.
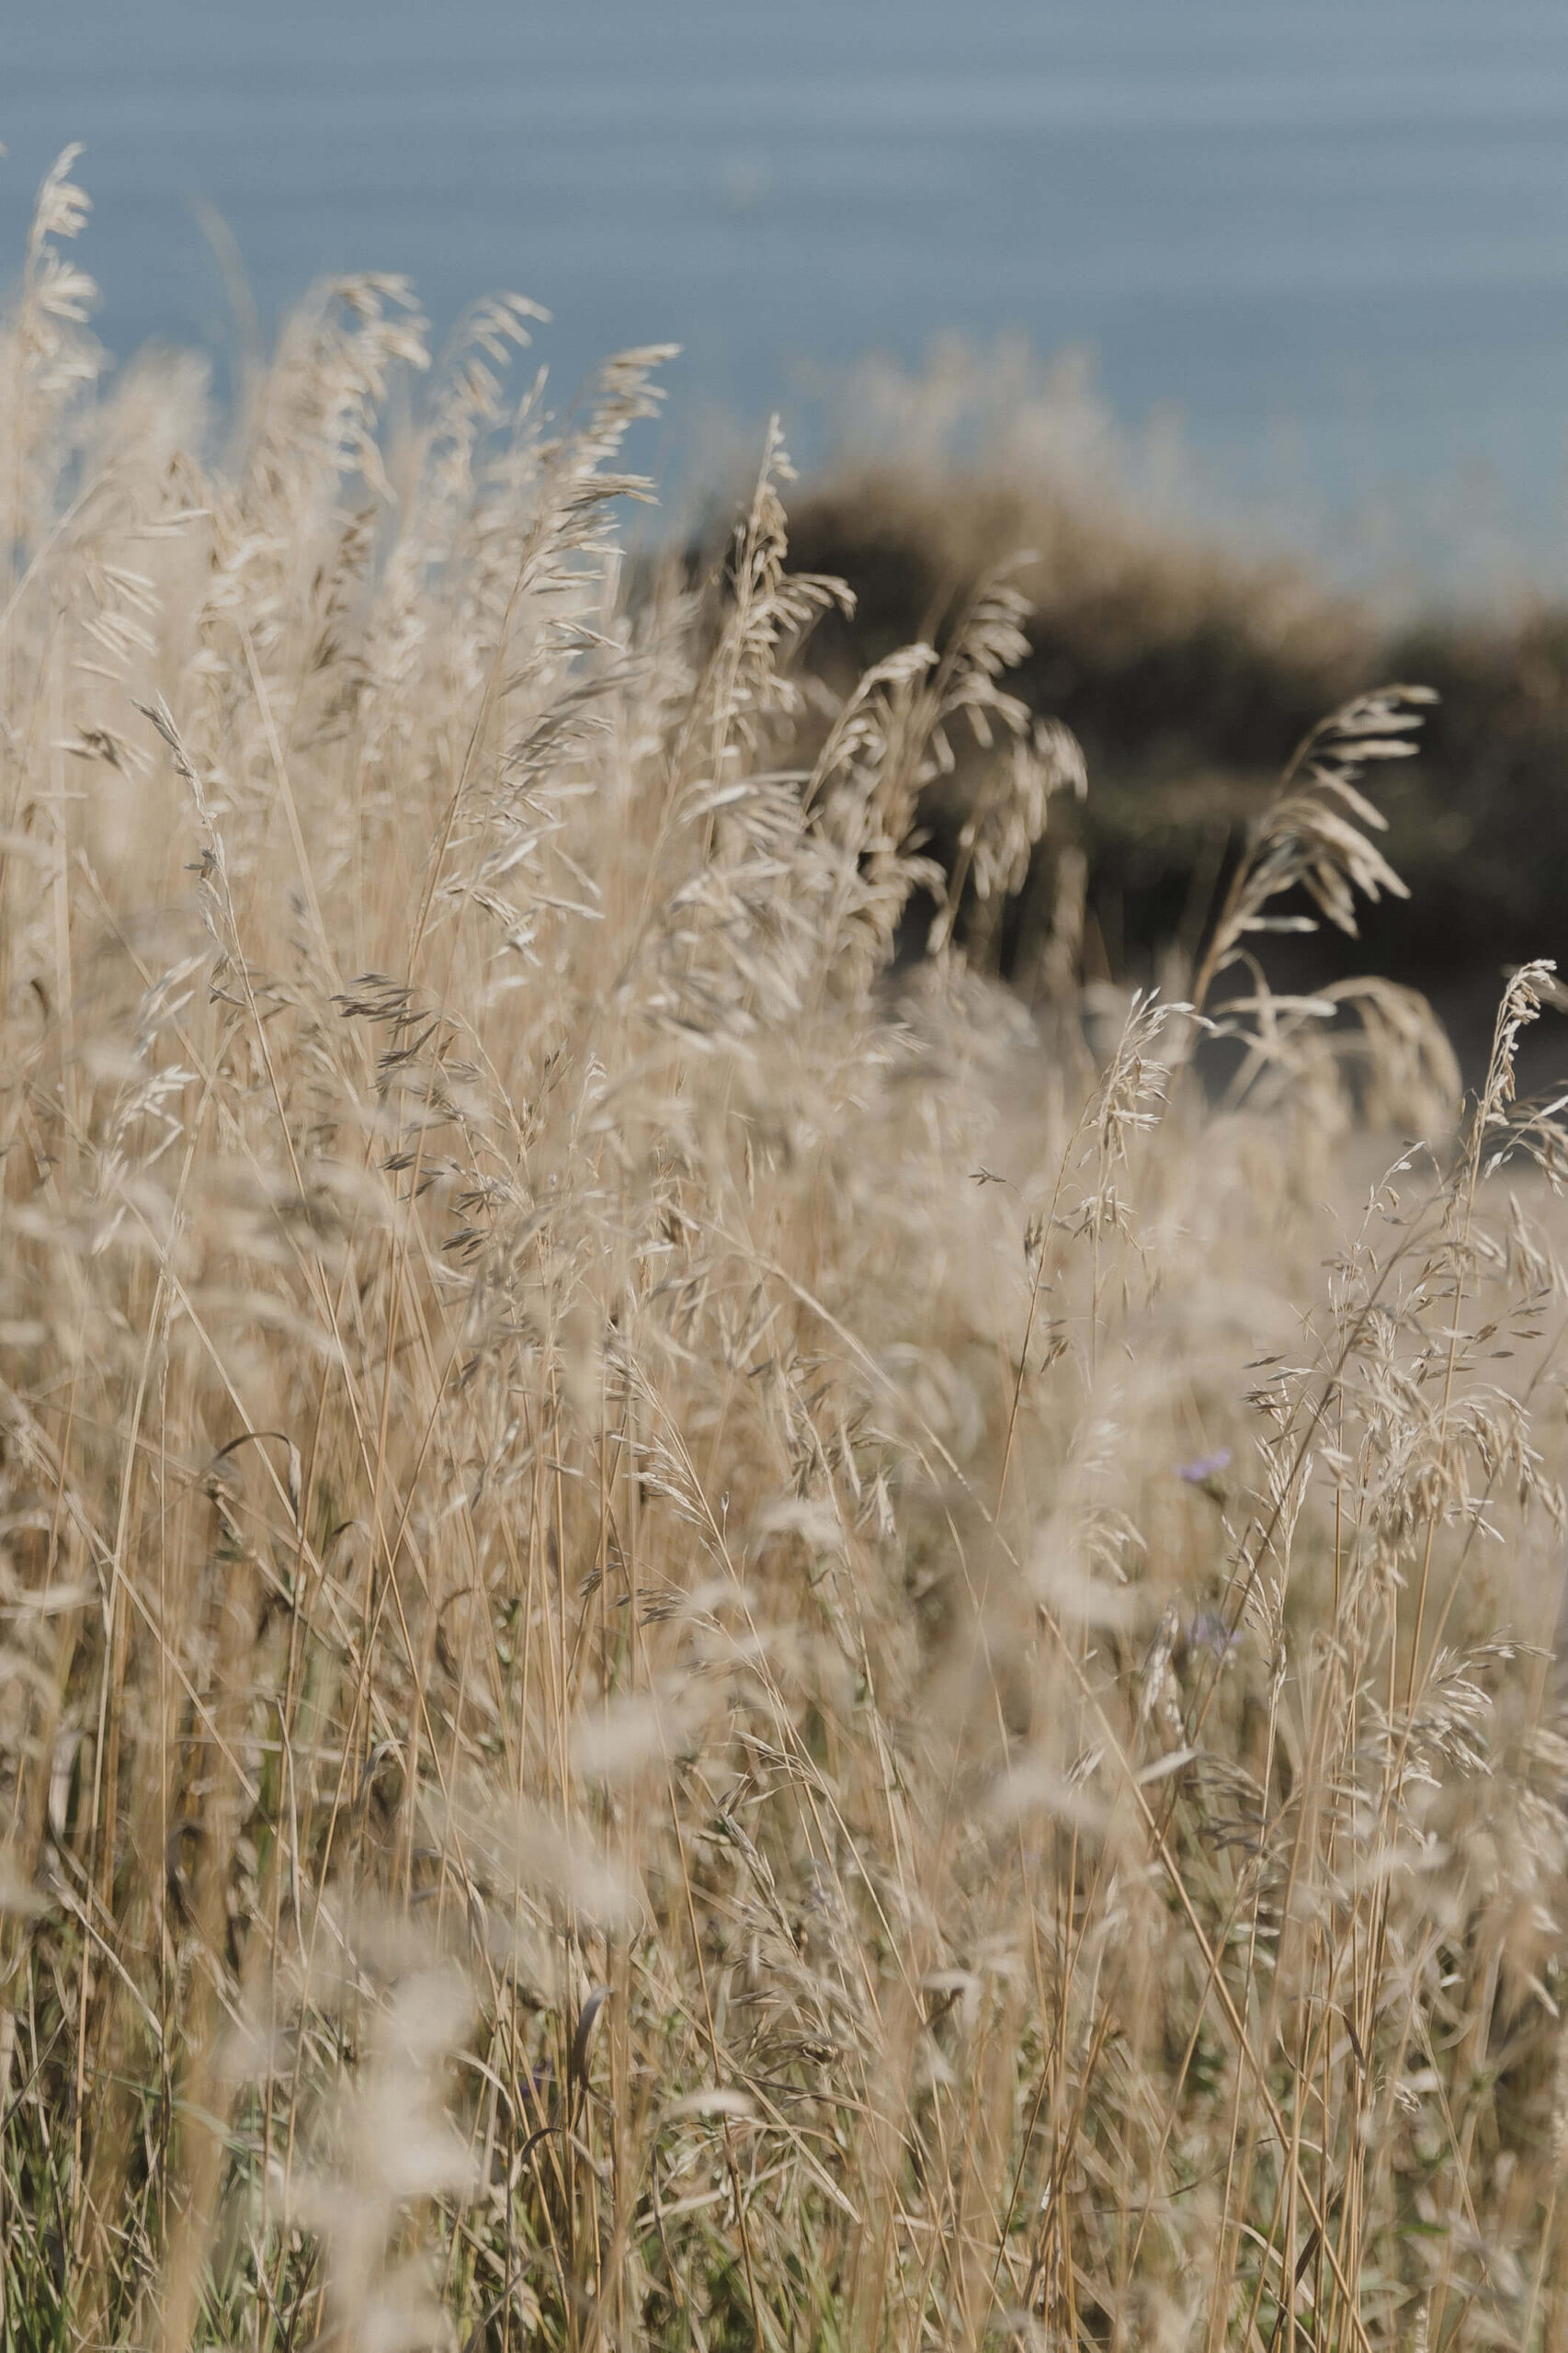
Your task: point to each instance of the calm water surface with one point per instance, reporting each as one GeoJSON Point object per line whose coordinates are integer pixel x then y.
{"type": "Point", "coordinates": [1337, 229]}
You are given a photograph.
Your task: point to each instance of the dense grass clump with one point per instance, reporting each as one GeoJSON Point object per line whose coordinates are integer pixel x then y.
{"type": "Point", "coordinates": [709, 1641]}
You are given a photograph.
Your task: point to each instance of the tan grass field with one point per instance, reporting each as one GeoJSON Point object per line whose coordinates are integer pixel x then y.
{"type": "Point", "coordinates": [701, 1646]}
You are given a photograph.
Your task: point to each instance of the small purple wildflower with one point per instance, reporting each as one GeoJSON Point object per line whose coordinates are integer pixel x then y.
{"type": "Point", "coordinates": [1207, 1468]}
{"type": "Point", "coordinates": [1209, 1632]}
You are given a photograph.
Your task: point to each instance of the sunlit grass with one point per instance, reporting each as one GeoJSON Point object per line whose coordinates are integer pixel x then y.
{"type": "Point", "coordinates": [710, 1639]}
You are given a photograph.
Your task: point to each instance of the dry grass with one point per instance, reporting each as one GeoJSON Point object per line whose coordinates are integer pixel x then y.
{"type": "Point", "coordinates": [698, 1651]}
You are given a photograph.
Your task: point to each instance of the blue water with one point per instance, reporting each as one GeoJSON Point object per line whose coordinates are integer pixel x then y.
{"type": "Point", "coordinates": [1333, 228]}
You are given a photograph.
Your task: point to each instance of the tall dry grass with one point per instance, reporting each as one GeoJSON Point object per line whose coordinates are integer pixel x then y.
{"type": "Point", "coordinates": [700, 1647]}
